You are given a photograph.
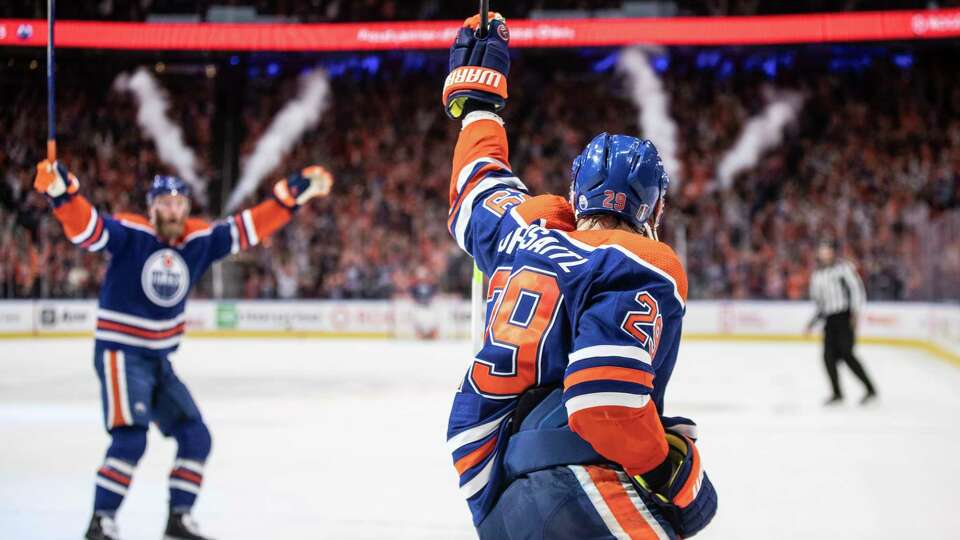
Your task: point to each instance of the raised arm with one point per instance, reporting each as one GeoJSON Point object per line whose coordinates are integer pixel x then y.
{"type": "Point", "coordinates": [249, 227]}
{"type": "Point", "coordinates": [81, 222]}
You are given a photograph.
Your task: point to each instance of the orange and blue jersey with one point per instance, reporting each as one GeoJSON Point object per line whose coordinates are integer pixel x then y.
{"type": "Point", "coordinates": [596, 313]}
{"type": "Point", "coordinates": [144, 293]}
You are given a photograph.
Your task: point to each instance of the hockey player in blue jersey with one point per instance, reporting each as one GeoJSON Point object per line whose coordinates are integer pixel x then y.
{"type": "Point", "coordinates": [557, 431]}
{"type": "Point", "coordinates": [154, 263]}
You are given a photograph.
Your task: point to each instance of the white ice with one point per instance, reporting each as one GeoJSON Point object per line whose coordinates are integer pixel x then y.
{"type": "Point", "coordinates": [344, 440]}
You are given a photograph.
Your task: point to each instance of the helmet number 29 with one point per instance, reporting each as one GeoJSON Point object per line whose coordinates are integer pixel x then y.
{"type": "Point", "coordinates": [614, 200]}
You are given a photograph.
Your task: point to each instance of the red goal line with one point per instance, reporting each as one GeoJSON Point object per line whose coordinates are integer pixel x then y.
{"type": "Point", "coordinates": [757, 30]}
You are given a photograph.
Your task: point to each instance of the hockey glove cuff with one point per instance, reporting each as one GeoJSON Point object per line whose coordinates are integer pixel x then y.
{"type": "Point", "coordinates": [688, 499]}
{"type": "Point", "coordinates": [478, 67]}
{"type": "Point", "coordinates": [298, 188]}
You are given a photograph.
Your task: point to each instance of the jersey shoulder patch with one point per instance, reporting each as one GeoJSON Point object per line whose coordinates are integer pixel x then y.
{"type": "Point", "coordinates": [650, 252]}
{"type": "Point", "coordinates": [554, 209]}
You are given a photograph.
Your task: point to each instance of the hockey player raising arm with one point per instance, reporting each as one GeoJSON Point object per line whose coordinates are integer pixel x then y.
{"type": "Point", "coordinates": [558, 430]}
{"type": "Point", "coordinates": [155, 262]}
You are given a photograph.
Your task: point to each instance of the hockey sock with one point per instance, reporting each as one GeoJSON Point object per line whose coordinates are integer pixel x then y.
{"type": "Point", "coordinates": [116, 473]}
{"type": "Point", "coordinates": [186, 478]}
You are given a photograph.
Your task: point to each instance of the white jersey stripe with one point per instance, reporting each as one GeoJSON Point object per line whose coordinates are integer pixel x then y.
{"type": "Point", "coordinates": [596, 498]}
{"type": "Point", "coordinates": [641, 506]}
{"type": "Point", "coordinates": [466, 207]}
{"type": "Point", "coordinates": [603, 399]}
{"type": "Point", "coordinates": [119, 465]}
{"type": "Point", "coordinates": [234, 238]}
{"type": "Point", "coordinates": [122, 381]}
{"type": "Point", "coordinates": [475, 484]}
{"type": "Point", "coordinates": [621, 351]}
{"type": "Point", "coordinates": [143, 228]}
{"type": "Point", "coordinates": [248, 225]}
{"type": "Point", "coordinates": [126, 339]}
{"type": "Point", "coordinates": [189, 464]}
{"type": "Point", "coordinates": [184, 486]}
{"type": "Point", "coordinates": [198, 234]}
{"type": "Point", "coordinates": [110, 485]}
{"type": "Point", "coordinates": [475, 433]}
{"type": "Point", "coordinates": [108, 382]}
{"type": "Point", "coordinates": [140, 322]}
{"type": "Point", "coordinates": [88, 230]}
{"type": "Point", "coordinates": [99, 244]}
{"type": "Point", "coordinates": [464, 174]}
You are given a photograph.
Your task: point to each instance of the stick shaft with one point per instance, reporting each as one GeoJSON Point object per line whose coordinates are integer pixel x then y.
{"type": "Point", "coordinates": [484, 11]}
{"type": "Point", "coordinates": [51, 86]}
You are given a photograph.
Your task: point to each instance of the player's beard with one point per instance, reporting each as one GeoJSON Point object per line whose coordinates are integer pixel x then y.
{"type": "Point", "coordinates": [170, 229]}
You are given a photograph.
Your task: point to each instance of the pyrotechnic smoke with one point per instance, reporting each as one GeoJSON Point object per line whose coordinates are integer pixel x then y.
{"type": "Point", "coordinates": [168, 137]}
{"type": "Point", "coordinates": [759, 134]}
{"type": "Point", "coordinates": [648, 95]}
{"type": "Point", "coordinates": [284, 131]}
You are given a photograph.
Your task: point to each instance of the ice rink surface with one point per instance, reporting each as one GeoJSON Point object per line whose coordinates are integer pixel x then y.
{"type": "Point", "coordinates": [339, 439]}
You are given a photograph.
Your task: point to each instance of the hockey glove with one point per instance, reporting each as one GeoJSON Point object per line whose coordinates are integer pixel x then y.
{"type": "Point", "coordinates": [298, 188]}
{"type": "Point", "coordinates": [55, 181]}
{"type": "Point", "coordinates": [688, 499]}
{"type": "Point", "coordinates": [478, 67]}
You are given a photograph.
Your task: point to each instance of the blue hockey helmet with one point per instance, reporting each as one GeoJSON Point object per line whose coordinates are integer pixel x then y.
{"type": "Point", "coordinates": [620, 175]}
{"type": "Point", "coordinates": [167, 185]}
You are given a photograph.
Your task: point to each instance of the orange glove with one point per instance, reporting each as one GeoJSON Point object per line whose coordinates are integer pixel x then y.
{"type": "Point", "coordinates": [54, 180]}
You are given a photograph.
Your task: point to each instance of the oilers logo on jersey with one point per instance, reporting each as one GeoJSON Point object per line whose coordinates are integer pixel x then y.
{"type": "Point", "coordinates": [166, 278]}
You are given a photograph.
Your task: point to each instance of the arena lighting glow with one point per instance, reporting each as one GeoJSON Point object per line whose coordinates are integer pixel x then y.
{"type": "Point", "coordinates": [757, 30]}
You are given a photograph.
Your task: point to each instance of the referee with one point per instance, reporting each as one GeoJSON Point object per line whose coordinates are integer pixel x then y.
{"type": "Point", "coordinates": [839, 295]}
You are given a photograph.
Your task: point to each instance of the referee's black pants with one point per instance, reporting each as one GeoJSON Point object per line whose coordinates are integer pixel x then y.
{"type": "Point", "coordinates": [838, 340]}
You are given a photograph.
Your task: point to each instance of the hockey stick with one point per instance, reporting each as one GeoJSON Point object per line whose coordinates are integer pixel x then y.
{"type": "Point", "coordinates": [478, 301]}
{"type": "Point", "coordinates": [51, 86]}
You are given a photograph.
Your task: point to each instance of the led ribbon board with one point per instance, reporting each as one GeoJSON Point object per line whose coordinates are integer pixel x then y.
{"type": "Point", "coordinates": [756, 30]}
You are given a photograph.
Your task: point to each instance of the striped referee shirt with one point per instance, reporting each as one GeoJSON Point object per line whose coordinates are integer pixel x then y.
{"type": "Point", "coordinates": [837, 288]}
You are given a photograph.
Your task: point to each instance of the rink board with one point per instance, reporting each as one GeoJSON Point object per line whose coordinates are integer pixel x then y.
{"type": "Point", "coordinates": [933, 328]}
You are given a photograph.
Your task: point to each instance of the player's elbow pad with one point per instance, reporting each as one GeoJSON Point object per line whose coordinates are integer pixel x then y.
{"type": "Point", "coordinates": [631, 437]}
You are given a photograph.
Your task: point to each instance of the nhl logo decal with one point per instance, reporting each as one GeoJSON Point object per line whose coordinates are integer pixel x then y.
{"type": "Point", "coordinates": [582, 202]}
{"type": "Point", "coordinates": [166, 278]}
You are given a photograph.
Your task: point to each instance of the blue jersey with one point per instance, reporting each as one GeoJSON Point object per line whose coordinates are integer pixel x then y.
{"type": "Point", "coordinates": [597, 313]}
{"type": "Point", "coordinates": [144, 293]}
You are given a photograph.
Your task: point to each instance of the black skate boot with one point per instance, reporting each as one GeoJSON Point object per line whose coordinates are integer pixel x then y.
{"type": "Point", "coordinates": [102, 528]}
{"type": "Point", "coordinates": [181, 526]}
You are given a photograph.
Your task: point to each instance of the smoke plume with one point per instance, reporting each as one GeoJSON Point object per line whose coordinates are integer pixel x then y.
{"type": "Point", "coordinates": [760, 133]}
{"type": "Point", "coordinates": [167, 136]}
{"type": "Point", "coordinates": [296, 117]}
{"type": "Point", "coordinates": [648, 95]}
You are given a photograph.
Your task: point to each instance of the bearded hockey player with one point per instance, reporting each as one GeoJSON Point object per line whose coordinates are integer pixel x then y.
{"type": "Point", "coordinates": [154, 263]}
{"type": "Point", "coordinates": [558, 430]}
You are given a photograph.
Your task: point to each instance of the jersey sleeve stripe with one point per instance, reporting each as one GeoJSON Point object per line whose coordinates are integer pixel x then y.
{"type": "Point", "coordinates": [234, 238]}
{"type": "Point", "coordinates": [474, 485]}
{"type": "Point", "coordinates": [606, 399]}
{"type": "Point", "coordinates": [476, 456]}
{"type": "Point", "coordinates": [462, 219]}
{"type": "Point", "coordinates": [471, 170]}
{"type": "Point", "coordinates": [95, 236]}
{"type": "Point", "coordinates": [605, 386]}
{"type": "Point", "coordinates": [99, 244]}
{"type": "Point", "coordinates": [475, 433]}
{"type": "Point", "coordinates": [249, 227]}
{"type": "Point", "coordinates": [602, 351]}
{"type": "Point", "coordinates": [609, 373]}
{"type": "Point", "coordinates": [241, 232]}
{"type": "Point", "coordinates": [88, 229]}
